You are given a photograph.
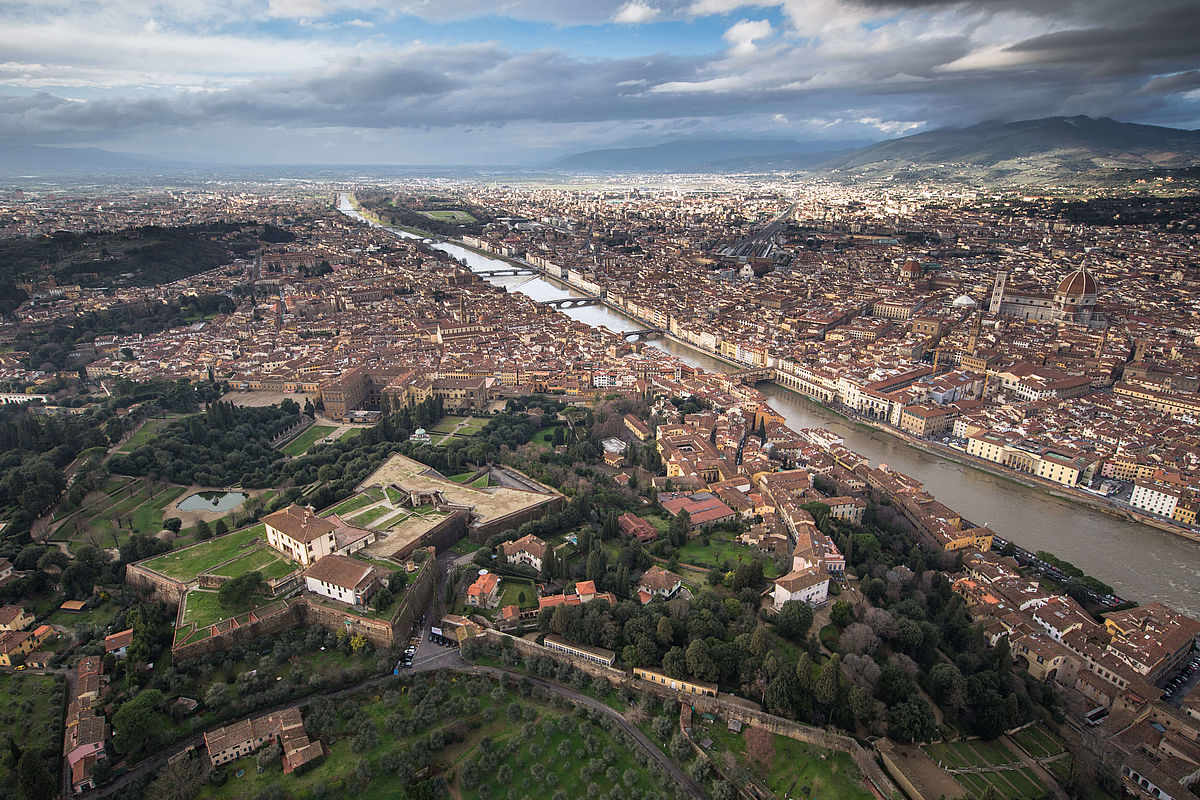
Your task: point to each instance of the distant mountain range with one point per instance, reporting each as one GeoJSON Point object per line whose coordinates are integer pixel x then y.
{"type": "Point", "coordinates": [1076, 149]}
{"type": "Point", "coordinates": [1039, 149]}
{"type": "Point", "coordinates": [29, 159]}
{"type": "Point", "coordinates": [698, 155]}
{"type": "Point", "coordinates": [1022, 151]}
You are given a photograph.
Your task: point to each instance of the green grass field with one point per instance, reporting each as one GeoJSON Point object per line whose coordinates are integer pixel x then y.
{"type": "Point", "coordinates": [450, 215]}
{"type": "Point", "coordinates": [1038, 742]}
{"type": "Point", "coordinates": [299, 446]}
{"type": "Point", "coordinates": [365, 518]}
{"type": "Point", "coordinates": [144, 434]}
{"type": "Point", "coordinates": [143, 512]}
{"type": "Point", "coordinates": [463, 546]}
{"type": "Point", "coordinates": [510, 594]}
{"type": "Point", "coordinates": [31, 712]}
{"type": "Point", "coordinates": [352, 504]}
{"type": "Point", "coordinates": [189, 562]}
{"type": "Point", "coordinates": [265, 559]}
{"type": "Point", "coordinates": [545, 436]}
{"type": "Point", "coordinates": [720, 549]}
{"type": "Point", "coordinates": [202, 608]}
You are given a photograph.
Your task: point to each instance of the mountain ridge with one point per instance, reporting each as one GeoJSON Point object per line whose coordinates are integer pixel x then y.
{"type": "Point", "coordinates": [1026, 150]}
{"type": "Point", "coordinates": [691, 154]}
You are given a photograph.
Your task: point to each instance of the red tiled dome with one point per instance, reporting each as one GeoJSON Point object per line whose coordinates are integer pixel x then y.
{"type": "Point", "coordinates": [1079, 283]}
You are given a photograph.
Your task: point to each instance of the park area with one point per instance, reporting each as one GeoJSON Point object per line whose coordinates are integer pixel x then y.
{"type": "Point", "coordinates": [301, 444]}
{"type": "Point", "coordinates": [125, 507]}
{"type": "Point", "coordinates": [31, 712]}
{"type": "Point", "coordinates": [486, 742]}
{"type": "Point", "coordinates": [453, 425]}
{"type": "Point", "coordinates": [450, 215]}
{"type": "Point", "coordinates": [149, 429]}
{"type": "Point", "coordinates": [977, 764]}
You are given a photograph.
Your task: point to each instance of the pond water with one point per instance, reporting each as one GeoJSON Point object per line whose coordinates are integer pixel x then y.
{"type": "Point", "coordinates": [212, 501]}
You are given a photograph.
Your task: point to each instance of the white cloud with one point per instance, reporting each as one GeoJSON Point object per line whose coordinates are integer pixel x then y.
{"type": "Point", "coordinates": [743, 35]}
{"type": "Point", "coordinates": [636, 13]}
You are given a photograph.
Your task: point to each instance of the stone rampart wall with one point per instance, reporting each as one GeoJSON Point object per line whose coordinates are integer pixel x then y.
{"type": "Point", "coordinates": [168, 590]}
{"type": "Point", "coordinates": [480, 532]}
{"type": "Point", "coordinates": [291, 617]}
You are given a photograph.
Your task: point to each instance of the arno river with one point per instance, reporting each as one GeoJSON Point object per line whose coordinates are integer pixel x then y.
{"type": "Point", "coordinates": [1140, 562]}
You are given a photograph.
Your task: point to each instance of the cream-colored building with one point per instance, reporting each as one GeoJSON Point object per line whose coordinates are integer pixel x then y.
{"type": "Point", "coordinates": [300, 534]}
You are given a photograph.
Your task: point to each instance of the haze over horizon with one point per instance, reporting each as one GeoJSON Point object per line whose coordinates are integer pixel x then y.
{"type": "Point", "coordinates": [524, 82]}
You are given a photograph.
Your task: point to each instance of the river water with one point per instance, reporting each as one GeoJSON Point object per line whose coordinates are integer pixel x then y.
{"type": "Point", "coordinates": [1140, 562]}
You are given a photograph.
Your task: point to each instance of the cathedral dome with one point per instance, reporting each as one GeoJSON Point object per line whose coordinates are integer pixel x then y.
{"type": "Point", "coordinates": [1079, 283]}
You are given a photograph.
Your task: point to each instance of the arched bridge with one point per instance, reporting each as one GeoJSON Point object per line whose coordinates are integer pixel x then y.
{"type": "Point", "coordinates": [645, 333]}
{"type": "Point", "coordinates": [488, 273]}
{"type": "Point", "coordinates": [753, 375]}
{"type": "Point", "coordinates": [571, 302]}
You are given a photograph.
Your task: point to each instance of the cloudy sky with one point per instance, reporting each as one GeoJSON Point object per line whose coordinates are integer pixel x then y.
{"type": "Point", "coordinates": [523, 81]}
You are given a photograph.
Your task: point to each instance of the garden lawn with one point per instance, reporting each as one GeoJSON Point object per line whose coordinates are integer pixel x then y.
{"type": "Point", "coordinates": [365, 518]}
{"type": "Point", "coordinates": [144, 434]}
{"type": "Point", "coordinates": [718, 550]}
{"type": "Point", "coordinates": [1038, 742]}
{"type": "Point", "coordinates": [148, 517]}
{"type": "Point", "coordinates": [353, 504]}
{"type": "Point", "coordinates": [313, 434]}
{"type": "Point", "coordinates": [202, 608]}
{"type": "Point", "coordinates": [189, 562]}
{"type": "Point", "coordinates": [545, 436]}
{"type": "Point", "coordinates": [31, 712]}
{"type": "Point", "coordinates": [464, 546]}
{"type": "Point", "coordinates": [511, 591]}
{"type": "Point", "coordinates": [446, 424]}
{"type": "Point", "coordinates": [265, 559]}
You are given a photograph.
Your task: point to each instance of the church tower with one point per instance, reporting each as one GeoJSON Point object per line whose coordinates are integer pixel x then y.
{"type": "Point", "coordinates": [998, 292]}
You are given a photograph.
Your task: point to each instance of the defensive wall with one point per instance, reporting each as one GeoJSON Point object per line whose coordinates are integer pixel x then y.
{"type": "Point", "coordinates": [481, 531]}
{"type": "Point", "coordinates": [440, 537]}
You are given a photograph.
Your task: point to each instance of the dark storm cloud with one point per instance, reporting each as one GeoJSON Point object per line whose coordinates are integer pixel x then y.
{"type": "Point", "coordinates": [1170, 84]}
{"type": "Point", "coordinates": [1167, 35]}
{"type": "Point", "coordinates": [1132, 61]}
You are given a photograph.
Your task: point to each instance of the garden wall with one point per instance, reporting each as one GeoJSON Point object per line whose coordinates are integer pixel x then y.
{"type": "Point", "coordinates": [376, 631]}
{"type": "Point", "coordinates": [168, 590]}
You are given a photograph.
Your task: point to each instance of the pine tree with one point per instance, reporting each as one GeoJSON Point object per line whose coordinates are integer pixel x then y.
{"type": "Point", "coordinates": [549, 565]}
{"type": "Point", "coordinates": [826, 687]}
{"type": "Point", "coordinates": [804, 676]}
